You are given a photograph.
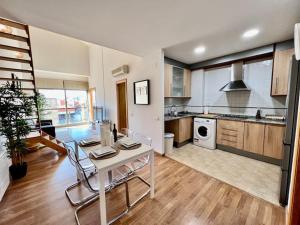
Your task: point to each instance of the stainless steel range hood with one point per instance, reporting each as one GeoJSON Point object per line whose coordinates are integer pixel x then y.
{"type": "Point", "coordinates": [236, 80]}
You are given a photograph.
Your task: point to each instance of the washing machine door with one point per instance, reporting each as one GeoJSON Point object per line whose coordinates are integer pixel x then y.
{"type": "Point", "coordinates": [203, 132]}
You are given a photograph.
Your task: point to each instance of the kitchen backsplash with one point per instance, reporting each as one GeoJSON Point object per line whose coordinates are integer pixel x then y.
{"type": "Point", "coordinates": [206, 94]}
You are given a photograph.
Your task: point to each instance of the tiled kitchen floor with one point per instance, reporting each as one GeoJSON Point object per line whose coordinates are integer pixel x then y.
{"type": "Point", "coordinates": [257, 178]}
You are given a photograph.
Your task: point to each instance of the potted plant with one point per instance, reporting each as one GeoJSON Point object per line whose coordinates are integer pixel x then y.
{"type": "Point", "coordinates": [15, 107]}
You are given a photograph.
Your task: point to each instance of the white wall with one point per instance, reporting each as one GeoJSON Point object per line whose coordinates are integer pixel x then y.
{"type": "Point", "coordinates": [257, 76]}
{"type": "Point", "coordinates": [59, 56]}
{"type": "Point", "coordinates": [147, 119]}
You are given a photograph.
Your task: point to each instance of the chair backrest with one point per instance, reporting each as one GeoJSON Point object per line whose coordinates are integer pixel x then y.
{"type": "Point", "coordinates": [129, 133]}
{"type": "Point", "coordinates": [142, 139]}
{"type": "Point", "coordinates": [84, 177]}
{"type": "Point", "coordinates": [71, 154]}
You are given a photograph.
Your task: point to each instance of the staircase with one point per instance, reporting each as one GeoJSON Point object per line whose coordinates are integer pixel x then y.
{"type": "Point", "coordinates": [35, 141]}
{"type": "Point", "coordinates": [16, 65]}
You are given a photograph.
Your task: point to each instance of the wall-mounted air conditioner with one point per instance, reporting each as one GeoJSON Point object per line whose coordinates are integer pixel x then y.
{"type": "Point", "coordinates": [120, 70]}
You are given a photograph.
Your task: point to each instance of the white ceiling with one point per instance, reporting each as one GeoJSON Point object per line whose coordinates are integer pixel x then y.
{"type": "Point", "coordinates": [140, 26]}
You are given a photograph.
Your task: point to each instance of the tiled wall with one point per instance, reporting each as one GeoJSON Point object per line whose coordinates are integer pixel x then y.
{"type": "Point", "coordinates": [257, 75]}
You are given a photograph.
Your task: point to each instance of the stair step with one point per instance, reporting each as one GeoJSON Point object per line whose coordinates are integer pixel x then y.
{"type": "Point", "coordinates": [13, 37]}
{"type": "Point", "coordinates": [16, 70]}
{"type": "Point", "coordinates": [15, 49]}
{"type": "Point", "coordinates": [22, 80]}
{"type": "Point", "coordinates": [11, 59]}
{"type": "Point", "coordinates": [13, 24]}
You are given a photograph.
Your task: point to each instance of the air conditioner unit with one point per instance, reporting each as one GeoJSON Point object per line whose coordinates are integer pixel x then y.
{"type": "Point", "coordinates": [120, 70]}
{"type": "Point", "coordinates": [297, 41]}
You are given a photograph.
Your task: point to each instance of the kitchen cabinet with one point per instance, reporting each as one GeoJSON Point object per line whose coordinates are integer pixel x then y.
{"type": "Point", "coordinates": [230, 133]}
{"type": "Point", "coordinates": [254, 137]}
{"type": "Point", "coordinates": [281, 68]}
{"type": "Point", "coordinates": [273, 139]}
{"type": "Point", "coordinates": [168, 80]}
{"type": "Point", "coordinates": [182, 129]}
{"type": "Point", "coordinates": [185, 129]}
{"type": "Point", "coordinates": [187, 83]}
{"type": "Point", "coordinates": [258, 138]}
{"type": "Point", "coordinates": [177, 81]}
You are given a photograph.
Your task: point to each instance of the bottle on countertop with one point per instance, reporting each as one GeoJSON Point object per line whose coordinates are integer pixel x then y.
{"type": "Point", "coordinates": [258, 114]}
{"type": "Point", "coordinates": [115, 133]}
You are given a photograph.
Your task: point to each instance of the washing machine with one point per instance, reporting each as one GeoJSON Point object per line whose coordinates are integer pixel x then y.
{"type": "Point", "coordinates": [205, 132]}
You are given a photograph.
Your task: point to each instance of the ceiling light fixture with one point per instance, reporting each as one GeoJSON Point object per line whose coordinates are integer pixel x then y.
{"type": "Point", "coordinates": [199, 50]}
{"type": "Point", "coordinates": [250, 33]}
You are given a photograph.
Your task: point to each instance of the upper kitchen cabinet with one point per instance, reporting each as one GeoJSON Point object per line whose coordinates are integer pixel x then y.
{"type": "Point", "coordinates": [177, 81]}
{"type": "Point", "coordinates": [281, 68]}
{"type": "Point", "coordinates": [187, 82]}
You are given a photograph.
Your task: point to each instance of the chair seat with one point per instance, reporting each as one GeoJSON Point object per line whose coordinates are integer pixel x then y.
{"type": "Point", "coordinates": [86, 164]}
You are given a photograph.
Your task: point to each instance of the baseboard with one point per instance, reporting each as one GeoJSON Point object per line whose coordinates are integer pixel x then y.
{"type": "Point", "coordinates": [250, 155]}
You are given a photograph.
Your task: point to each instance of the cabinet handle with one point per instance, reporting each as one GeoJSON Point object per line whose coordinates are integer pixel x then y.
{"type": "Point", "coordinates": [224, 139]}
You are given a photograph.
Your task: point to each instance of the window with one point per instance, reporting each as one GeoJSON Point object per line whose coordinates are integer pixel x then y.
{"type": "Point", "coordinates": [77, 106]}
{"type": "Point", "coordinates": [64, 106]}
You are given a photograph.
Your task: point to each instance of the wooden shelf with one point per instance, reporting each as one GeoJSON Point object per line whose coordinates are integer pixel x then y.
{"type": "Point", "coordinates": [10, 59]}
{"type": "Point", "coordinates": [16, 49]}
{"type": "Point", "coordinates": [13, 37]}
{"type": "Point", "coordinates": [15, 70]}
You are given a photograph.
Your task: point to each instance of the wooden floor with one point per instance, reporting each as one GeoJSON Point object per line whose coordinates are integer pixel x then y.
{"type": "Point", "coordinates": [183, 196]}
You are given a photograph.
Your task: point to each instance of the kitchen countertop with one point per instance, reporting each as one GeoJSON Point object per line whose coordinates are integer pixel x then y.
{"type": "Point", "coordinates": [216, 116]}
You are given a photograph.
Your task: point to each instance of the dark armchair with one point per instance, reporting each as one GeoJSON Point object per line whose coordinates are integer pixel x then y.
{"type": "Point", "coordinates": [47, 127]}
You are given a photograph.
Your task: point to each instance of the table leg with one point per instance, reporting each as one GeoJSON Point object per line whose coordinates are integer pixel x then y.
{"type": "Point", "coordinates": [102, 197]}
{"type": "Point", "coordinates": [152, 174]}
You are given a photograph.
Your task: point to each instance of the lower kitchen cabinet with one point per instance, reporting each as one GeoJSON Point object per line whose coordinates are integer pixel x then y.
{"type": "Point", "coordinates": [273, 139]}
{"type": "Point", "coordinates": [230, 133]}
{"type": "Point", "coordinates": [261, 139]}
{"type": "Point", "coordinates": [182, 129]}
{"type": "Point", "coordinates": [254, 137]}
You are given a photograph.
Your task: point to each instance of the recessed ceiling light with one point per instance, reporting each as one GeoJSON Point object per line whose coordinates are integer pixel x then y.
{"type": "Point", "coordinates": [199, 50]}
{"type": "Point", "coordinates": [250, 33]}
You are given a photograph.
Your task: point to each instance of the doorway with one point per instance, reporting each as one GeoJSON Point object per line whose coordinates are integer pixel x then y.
{"type": "Point", "coordinates": [121, 87]}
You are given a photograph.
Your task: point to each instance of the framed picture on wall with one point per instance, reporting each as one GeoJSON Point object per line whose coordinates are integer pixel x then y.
{"type": "Point", "coordinates": [141, 92]}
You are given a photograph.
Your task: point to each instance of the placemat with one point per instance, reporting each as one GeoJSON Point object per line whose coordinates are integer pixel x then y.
{"type": "Point", "coordinates": [90, 145]}
{"type": "Point", "coordinates": [121, 147]}
{"type": "Point", "coordinates": [106, 156]}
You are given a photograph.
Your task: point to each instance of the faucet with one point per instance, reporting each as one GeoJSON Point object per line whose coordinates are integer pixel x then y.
{"type": "Point", "coordinates": [172, 110]}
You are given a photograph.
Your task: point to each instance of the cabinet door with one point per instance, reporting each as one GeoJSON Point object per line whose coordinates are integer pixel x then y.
{"type": "Point", "coordinates": [177, 82]}
{"type": "Point", "coordinates": [281, 69]}
{"type": "Point", "coordinates": [273, 146]}
{"type": "Point", "coordinates": [173, 127]}
{"type": "Point", "coordinates": [230, 133]}
{"type": "Point", "coordinates": [187, 83]}
{"type": "Point", "coordinates": [254, 137]}
{"type": "Point", "coordinates": [168, 80]}
{"type": "Point", "coordinates": [185, 129]}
